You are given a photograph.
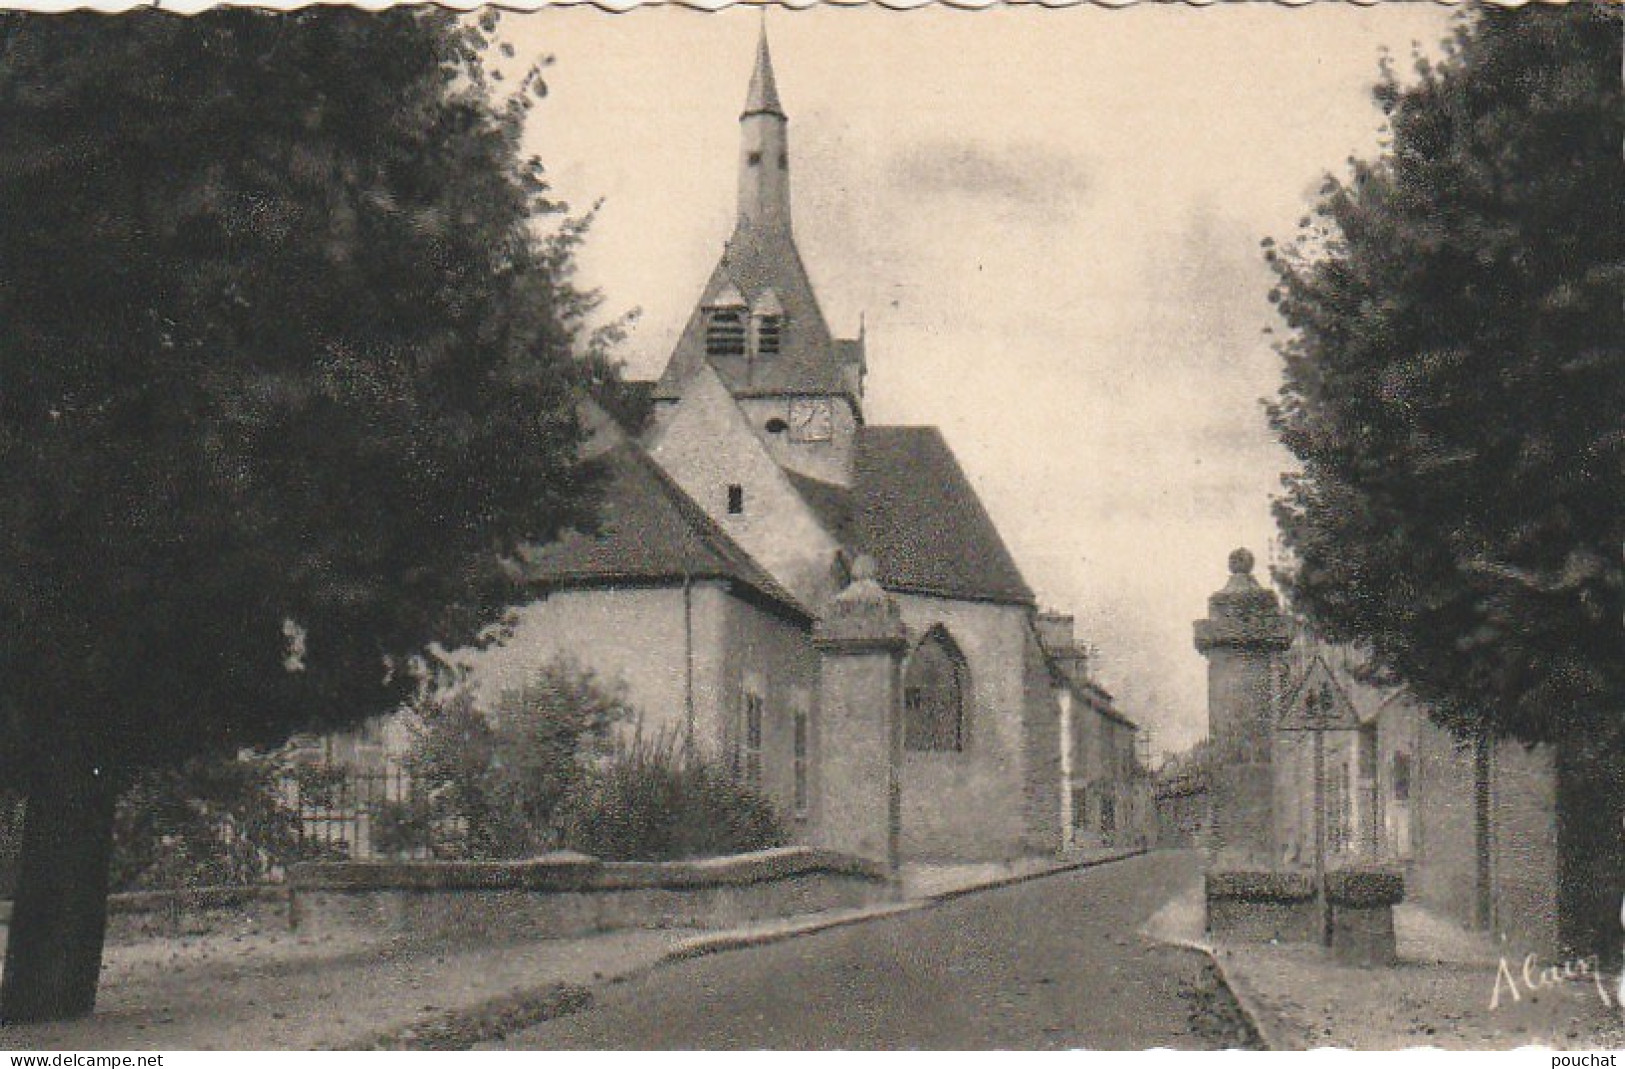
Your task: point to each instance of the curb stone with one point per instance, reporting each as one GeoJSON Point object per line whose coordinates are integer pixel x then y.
{"type": "Point", "coordinates": [491, 1019]}
{"type": "Point", "coordinates": [1010, 881]}
{"type": "Point", "coordinates": [701, 945]}
{"type": "Point", "coordinates": [1264, 1023]}
{"type": "Point", "coordinates": [739, 940]}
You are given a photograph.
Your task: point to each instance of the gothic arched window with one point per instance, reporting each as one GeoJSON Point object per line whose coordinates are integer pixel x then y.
{"type": "Point", "coordinates": [936, 687]}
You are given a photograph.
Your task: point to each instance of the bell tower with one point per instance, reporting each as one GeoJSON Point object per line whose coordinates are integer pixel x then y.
{"type": "Point", "coordinates": [764, 150]}
{"type": "Point", "coordinates": [758, 323]}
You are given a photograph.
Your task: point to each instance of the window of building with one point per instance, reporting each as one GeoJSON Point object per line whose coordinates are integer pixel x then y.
{"type": "Point", "coordinates": [935, 684]}
{"type": "Point", "coordinates": [750, 751]}
{"type": "Point", "coordinates": [736, 499]}
{"type": "Point", "coordinates": [1108, 814]}
{"type": "Point", "coordinates": [725, 332]}
{"type": "Point", "coordinates": [769, 329]}
{"type": "Point", "coordinates": [1402, 777]}
{"type": "Point", "coordinates": [1338, 800]}
{"type": "Point", "coordinates": [754, 159]}
{"type": "Point", "coordinates": [800, 752]}
{"type": "Point", "coordinates": [1080, 808]}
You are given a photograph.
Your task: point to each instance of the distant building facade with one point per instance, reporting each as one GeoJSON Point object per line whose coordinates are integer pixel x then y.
{"type": "Point", "coordinates": [1107, 795]}
{"type": "Point", "coordinates": [1521, 842]}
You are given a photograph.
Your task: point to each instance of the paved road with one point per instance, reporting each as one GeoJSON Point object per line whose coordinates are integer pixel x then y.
{"type": "Point", "coordinates": [1053, 963]}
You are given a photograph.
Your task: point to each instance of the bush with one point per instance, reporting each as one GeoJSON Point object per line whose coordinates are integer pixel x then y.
{"type": "Point", "coordinates": [211, 821]}
{"type": "Point", "coordinates": [1260, 886]}
{"type": "Point", "coordinates": [1365, 887]}
{"type": "Point", "coordinates": [656, 800]}
{"type": "Point", "coordinates": [500, 777]}
{"type": "Point", "coordinates": [406, 828]}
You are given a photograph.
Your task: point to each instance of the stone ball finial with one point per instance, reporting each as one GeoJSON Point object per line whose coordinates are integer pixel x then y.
{"type": "Point", "coordinates": [1241, 562]}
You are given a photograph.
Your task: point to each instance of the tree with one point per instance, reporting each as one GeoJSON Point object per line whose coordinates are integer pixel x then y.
{"type": "Point", "coordinates": [1455, 383]}
{"type": "Point", "coordinates": [285, 370]}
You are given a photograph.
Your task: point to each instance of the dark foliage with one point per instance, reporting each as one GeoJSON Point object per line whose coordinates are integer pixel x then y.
{"type": "Point", "coordinates": [1455, 383]}
{"type": "Point", "coordinates": [1261, 886]}
{"type": "Point", "coordinates": [489, 784]}
{"type": "Point", "coordinates": [656, 800]}
{"type": "Point", "coordinates": [286, 367]}
{"type": "Point", "coordinates": [289, 348]}
{"type": "Point", "coordinates": [208, 823]}
{"type": "Point", "coordinates": [1365, 888]}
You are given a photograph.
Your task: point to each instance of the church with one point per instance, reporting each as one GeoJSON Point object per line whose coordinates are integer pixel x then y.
{"type": "Point", "coordinates": [747, 504]}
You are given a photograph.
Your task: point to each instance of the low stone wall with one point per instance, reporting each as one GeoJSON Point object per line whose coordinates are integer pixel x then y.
{"type": "Point", "coordinates": [571, 896]}
{"type": "Point", "coordinates": [136, 915]}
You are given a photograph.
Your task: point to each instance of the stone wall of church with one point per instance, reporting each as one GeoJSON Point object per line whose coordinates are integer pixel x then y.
{"type": "Point", "coordinates": [632, 636]}
{"type": "Point", "coordinates": [649, 640]}
{"type": "Point", "coordinates": [826, 458]}
{"type": "Point", "coordinates": [706, 446]}
{"type": "Point", "coordinates": [772, 658]}
{"type": "Point", "coordinates": [1041, 761]}
{"type": "Point", "coordinates": [652, 640]}
{"type": "Point", "coordinates": [958, 805]}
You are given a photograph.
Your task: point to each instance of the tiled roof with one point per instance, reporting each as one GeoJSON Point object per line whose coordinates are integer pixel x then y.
{"type": "Point", "coordinates": [923, 523]}
{"type": "Point", "coordinates": [832, 505]}
{"type": "Point", "coordinates": [650, 531]}
{"type": "Point", "coordinates": [764, 90]}
{"type": "Point", "coordinates": [912, 509]}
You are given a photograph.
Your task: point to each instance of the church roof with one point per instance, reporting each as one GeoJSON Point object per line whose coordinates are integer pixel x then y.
{"type": "Point", "coordinates": [763, 96]}
{"type": "Point", "coordinates": [912, 509]}
{"type": "Point", "coordinates": [757, 261]}
{"type": "Point", "coordinates": [761, 269]}
{"type": "Point", "coordinates": [650, 531]}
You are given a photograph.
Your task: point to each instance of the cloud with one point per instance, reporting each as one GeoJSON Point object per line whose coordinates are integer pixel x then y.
{"type": "Point", "coordinates": [1029, 177]}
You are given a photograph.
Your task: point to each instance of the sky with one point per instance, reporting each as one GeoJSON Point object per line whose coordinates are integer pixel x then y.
{"type": "Point", "coordinates": [1048, 221]}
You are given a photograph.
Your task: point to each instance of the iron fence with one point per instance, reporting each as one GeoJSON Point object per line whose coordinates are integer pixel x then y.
{"type": "Point", "coordinates": [359, 815]}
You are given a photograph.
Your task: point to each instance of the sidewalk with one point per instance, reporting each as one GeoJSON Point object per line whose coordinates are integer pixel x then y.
{"type": "Point", "coordinates": [1437, 996]}
{"type": "Point", "coordinates": [262, 987]}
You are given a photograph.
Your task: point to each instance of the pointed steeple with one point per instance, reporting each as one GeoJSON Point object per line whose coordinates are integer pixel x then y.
{"type": "Point", "coordinates": [764, 150]}
{"type": "Point", "coordinates": [757, 322]}
{"type": "Point", "coordinates": [763, 98]}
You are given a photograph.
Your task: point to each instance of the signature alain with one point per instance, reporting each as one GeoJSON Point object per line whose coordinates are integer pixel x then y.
{"type": "Point", "coordinates": [1536, 978]}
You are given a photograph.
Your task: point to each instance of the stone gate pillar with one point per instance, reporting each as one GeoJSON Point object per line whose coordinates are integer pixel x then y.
{"type": "Point", "coordinates": [1243, 639]}
{"type": "Point", "coordinates": [861, 641]}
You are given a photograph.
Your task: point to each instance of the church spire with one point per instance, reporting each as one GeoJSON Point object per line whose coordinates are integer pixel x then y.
{"type": "Point", "coordinates": [763, 97]}
{"type": "Point", "coordinates": [764, 151]}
